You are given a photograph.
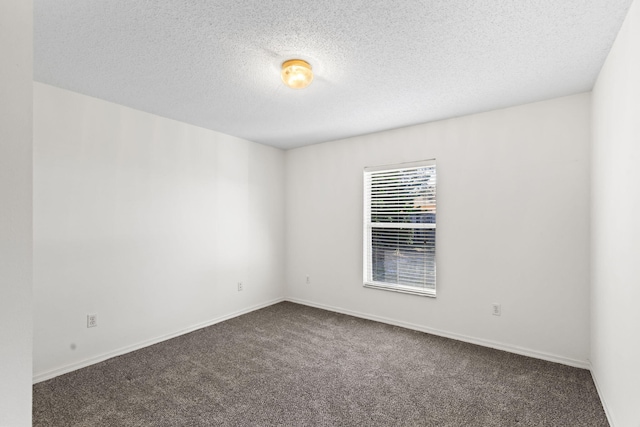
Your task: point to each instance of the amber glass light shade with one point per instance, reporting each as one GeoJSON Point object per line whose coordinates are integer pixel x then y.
{"type": "Point", "coordinates": [297, 73]}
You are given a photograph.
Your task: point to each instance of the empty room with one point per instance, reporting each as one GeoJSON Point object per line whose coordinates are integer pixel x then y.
{"type": "Point", "coordinates": [296, 213]}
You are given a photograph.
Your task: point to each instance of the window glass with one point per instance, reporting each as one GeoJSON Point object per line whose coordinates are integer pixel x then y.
{"type": "Point", "coordinates": [400, 227]}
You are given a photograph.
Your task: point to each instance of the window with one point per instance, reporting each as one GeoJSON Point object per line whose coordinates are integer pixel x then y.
{"type": "Point", "coordinates": [400, 227]}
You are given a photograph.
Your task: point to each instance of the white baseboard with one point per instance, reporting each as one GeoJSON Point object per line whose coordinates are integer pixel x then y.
{"type": "Point", "coordinates": [47, 375]}
{"type": "Point", "coordinates": [604, 402]}
{"type": "Point", "coordinates": [479, 341]}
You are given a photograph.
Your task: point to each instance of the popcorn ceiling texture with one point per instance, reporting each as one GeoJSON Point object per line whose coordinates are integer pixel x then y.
{"type": "Point", "coordinates": [378, 64]}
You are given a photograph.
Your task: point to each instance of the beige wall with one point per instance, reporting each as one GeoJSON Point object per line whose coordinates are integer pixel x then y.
{"type": "Point", "coordinates": [513, 227]}
{"type": "Point", "coordinates": [149, 223]}
{"type": "Point", "coordinates": [16, 45]}
{"type": "Point", "coordinates": [615, 225]}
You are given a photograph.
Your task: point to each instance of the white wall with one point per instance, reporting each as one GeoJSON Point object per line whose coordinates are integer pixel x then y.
{"type": "Point", "coordinates": [615, 324]}
{"type": "Point", "coordinates": [16, 71]}
{"type": "Point", "coordinates": [513, 227]}
{"type": "Point", "coordinates": [148, 222]}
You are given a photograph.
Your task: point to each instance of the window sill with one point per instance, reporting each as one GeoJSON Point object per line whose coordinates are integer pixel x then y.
{"type": "Point", "coordinates": [403, 289]}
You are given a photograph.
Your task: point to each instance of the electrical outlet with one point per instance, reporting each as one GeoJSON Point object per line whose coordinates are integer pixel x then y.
{"type": "Point", "coordinates": [496, 309]}
{"type": "Point", "coordinates": [239, 286]}
{"type": "Point", "coordinates": [92, 320]}
{"type": "Point", "coordinates": [308, 280]}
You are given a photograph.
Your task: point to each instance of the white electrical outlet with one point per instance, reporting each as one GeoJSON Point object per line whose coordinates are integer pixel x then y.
{"type": "Point", "coordinates": [308, 280]}
{"type": "Point", "coordinates": [496, 309]}
{"type": "Point", "coordinates": [92, 320]}
{"type": "Point", "coordinates": [239, 286]}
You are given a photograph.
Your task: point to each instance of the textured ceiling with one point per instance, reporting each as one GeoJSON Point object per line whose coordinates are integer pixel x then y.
{"type": "Point", "coordinates": [378, 64]}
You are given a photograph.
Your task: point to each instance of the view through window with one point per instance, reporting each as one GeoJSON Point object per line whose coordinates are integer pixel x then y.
{"type": "Point", "coordinates": [400, 227]}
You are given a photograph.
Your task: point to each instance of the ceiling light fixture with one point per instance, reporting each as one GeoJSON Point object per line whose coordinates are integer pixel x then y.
{"type": "Point", "coordinates": [296, 73]}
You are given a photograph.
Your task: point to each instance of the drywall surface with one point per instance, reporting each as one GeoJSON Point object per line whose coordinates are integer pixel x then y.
{"type": "Point", "coordinates": [16, 45]}
{"type": "Point", "coordinates": [513, 227]}
{"type": "Point", "coordinates": [615, 227]}
{"type": "Point", "coordinates": [148, 223]}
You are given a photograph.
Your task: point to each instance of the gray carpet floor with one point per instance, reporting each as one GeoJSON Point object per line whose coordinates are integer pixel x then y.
{"type": "Point", "coordinates": [292, 365]}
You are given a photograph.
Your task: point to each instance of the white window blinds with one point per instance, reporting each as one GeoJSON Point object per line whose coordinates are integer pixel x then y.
{"type": "Point", "coordinates": [400, 227]}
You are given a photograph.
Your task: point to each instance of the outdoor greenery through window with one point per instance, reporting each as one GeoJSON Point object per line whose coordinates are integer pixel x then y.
{"type": "Point", "coordinates": [400, 227]}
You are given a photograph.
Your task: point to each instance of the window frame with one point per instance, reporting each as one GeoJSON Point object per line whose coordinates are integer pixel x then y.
{"type": "Point", "coordinates": [368, 227]}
